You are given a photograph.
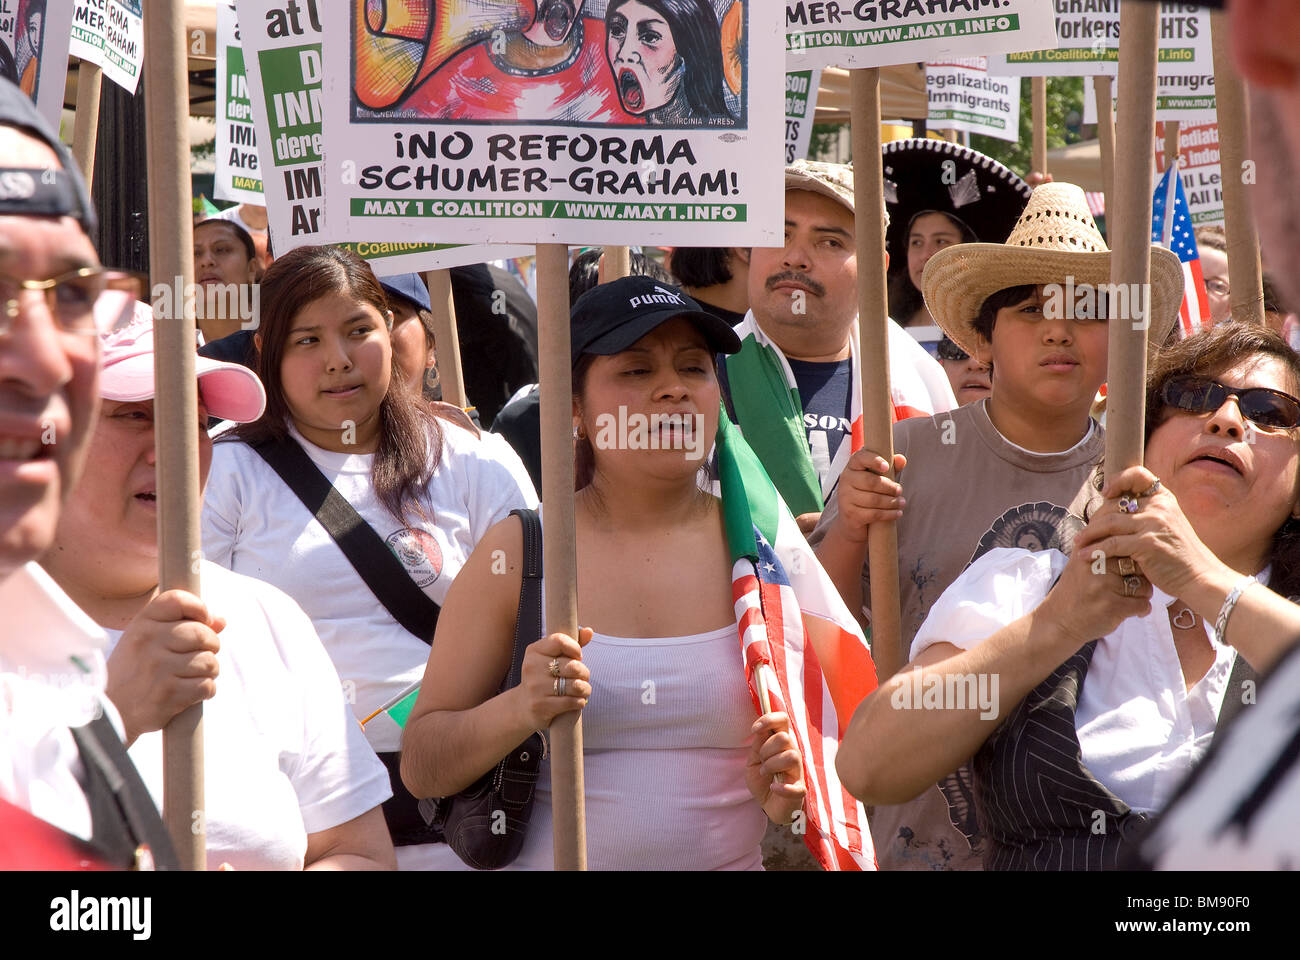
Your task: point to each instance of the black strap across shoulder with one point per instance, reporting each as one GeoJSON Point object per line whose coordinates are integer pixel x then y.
{"type": "Point", "coordinates": [123, 817]}
{"type": "Point", "coordinates": [528, 622]}
{"type": "Point", "coordinates": [377, 566]}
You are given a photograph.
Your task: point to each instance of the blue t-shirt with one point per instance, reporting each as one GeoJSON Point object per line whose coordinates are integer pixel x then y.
{"type": "Point", "coordinates": [826, 392]}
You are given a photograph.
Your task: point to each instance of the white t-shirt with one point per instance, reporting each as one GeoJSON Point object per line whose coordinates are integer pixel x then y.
{"type": "Point", "coordinates": [255, 525]}
{"type": "Point", "coordinates": [52, 676]}
{"type": "Point", "coordinates": [283, 756]}
{"type": "Point", "coordinates": [1140, 729]}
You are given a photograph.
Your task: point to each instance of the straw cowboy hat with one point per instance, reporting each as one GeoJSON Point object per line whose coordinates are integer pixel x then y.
{"type": "Point", "coordinates": [1054, 238]}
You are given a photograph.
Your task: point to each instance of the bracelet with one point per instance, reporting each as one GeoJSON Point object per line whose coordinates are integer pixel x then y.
{"type": "Point", "coordinates": [1221, 624]}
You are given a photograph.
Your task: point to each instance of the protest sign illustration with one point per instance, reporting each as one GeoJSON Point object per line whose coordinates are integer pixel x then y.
{"type": "Point", "coordinates": [605, 121]}
{"type": "Point", "coordinates": [110, 33]}
{"type": "Point", "coordinates": [34, 51]}
{"type": "Point", "coordinates": [282, 53]}
{"type": "Point", "coordinates": [800, 107]}
{"type": "Point", "coordinates": [872, 33]}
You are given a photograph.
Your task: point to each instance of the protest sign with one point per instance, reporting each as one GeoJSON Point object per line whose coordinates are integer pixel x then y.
{"type": "Point", "coordinates": [282, 52]}
{"type": "Point", "coordinates": [110, 33]}
{"type": "Point", "coordinates": [490, 126]}
{"type": "Point", "coordinates": [1198, 165]}
{"type": "Point", "coordinates": [1088, 42]}
{"type": "Point", "coordinates": [238, 174]}
{"type": "Point", "coordinates": [34, 52]}
{"type": "Point", "coordinates": [800, 107]}
{"type": "Point", "coordinates": [962, 96]}
{"type": "Point", "coordinates": [876, 33]}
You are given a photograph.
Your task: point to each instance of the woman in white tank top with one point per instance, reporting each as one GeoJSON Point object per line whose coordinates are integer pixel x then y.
{"type": "Point", "coordinates": [679, 769]}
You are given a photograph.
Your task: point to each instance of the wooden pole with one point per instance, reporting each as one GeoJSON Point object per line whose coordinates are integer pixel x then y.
{"type": "Point", "coordinates": [1106, 141]}
{"type": "Point", "coordinates": [618, 263]}
{"type": "Point", "coordinates": [1130, 262]}
{"type": "Point", "coordinates": [1038, 107]}
{"type": "Point", "coordinates": [85, 130]}
{"type": "Point", "coordinates": [559, 549]}
{"type": "Point", "coordinates": [1171, 144]}
{"type": "Point", "coordinates": [873, 355]}
{"type": "Point", "coordinates": [446, 339]}
{"type": "Point", "coordinates": [176, 391]}
{"type": "Point", "coordinates": [1244, 275]}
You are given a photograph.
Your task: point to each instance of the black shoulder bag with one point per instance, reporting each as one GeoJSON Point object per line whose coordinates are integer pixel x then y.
{"type": "Point", "coordinates": [485, 824]}
{"type": "Point", "coordinates": [412, 821]}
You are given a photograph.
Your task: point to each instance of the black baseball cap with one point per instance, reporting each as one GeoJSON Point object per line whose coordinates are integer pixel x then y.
{"type": "Point", "coordinates": [33, 192]}
{"type": "Point", "coordinates": [609, 318]}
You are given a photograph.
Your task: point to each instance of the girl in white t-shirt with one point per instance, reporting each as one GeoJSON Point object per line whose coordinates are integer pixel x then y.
{"type": "Point", "coordinates": [428, 488]}
{"type": "Point", "coordinates": [679, 771]}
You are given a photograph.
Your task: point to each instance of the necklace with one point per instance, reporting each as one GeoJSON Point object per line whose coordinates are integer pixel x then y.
{"type": "Point", "coordinates": [1185, 619]}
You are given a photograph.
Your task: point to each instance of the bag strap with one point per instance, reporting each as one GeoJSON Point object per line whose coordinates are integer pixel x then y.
{"type": "Point", "coordinates": [377, 566]}
{"type": "Point", "coordinates": [528, 621]}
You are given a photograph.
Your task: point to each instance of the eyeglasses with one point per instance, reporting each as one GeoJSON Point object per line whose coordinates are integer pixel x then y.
{"type": "Point", "coordinates": [1260, 405]}
{"type": "Point", "coordinates": [947, 350]}
{"type": "Point", "coordinates": [70, 298]}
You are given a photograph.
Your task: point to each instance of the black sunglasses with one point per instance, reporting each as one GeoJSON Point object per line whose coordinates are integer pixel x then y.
{"type": "Point", "coordinates": [948, 350]}
{"type": "Point", "coordinates": [1260, 405]}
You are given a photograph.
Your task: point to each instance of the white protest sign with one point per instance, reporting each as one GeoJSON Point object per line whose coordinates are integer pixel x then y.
{"type": "Point", "coordinates": [238, 174]}
{"type": "Point", "coordinates": [599, 123]}
{"type": "Point", "coordinates": [878, 33]}
{"type": "Point", "coordinates": [34, 52]}
{"type": "Point", "coordinates": [962, 96]}
{"type": "Point", "coordinates": [800, 107]}
{"type": "Point", "coordinates": [282, 47]}
{"type": "Point", "coordinates": [110, 33]}
{"type": "Point", "coordinates": [1198, 165]}
{"type": "Point", "coordinates": [1088, 42]}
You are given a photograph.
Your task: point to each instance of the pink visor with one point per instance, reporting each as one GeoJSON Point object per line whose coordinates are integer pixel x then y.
{"type": "Point", "coordinates": [228, 390]}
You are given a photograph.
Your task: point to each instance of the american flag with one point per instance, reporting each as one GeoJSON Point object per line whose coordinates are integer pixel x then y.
{"type": "Point", "coordinates": [799, 637]}
{"type": "Point", "coordinates": [1171, 227]}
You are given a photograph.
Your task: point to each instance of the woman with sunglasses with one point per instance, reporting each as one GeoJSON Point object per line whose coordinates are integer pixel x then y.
{"type": "Point", "coordinates": [969, 376]}
{"type": "Point", "coordinates": [1172, 593]}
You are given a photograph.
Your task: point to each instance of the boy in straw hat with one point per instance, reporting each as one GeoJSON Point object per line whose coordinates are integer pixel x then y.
{"type": "Point", "coordinates": [1034, 308]}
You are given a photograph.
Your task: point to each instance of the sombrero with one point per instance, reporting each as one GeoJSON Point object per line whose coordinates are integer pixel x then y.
{"type": "Point", "coordinates": [1054, 238]}
{"type": "Point", "coordinates": [924, 174]}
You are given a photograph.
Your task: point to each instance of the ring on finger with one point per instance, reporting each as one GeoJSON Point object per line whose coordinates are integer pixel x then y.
{"type": "Point", "coordinates": [1132, 585]}
{"type": "Point", "coordinates": [560, 684]}
{"type": "Point", "coordinates": [1151, 491]}
{"type": "Point", "coordinates": [555, 667]}
{"type": "Point", "coordinates": [1126, 566]}
{"type": "Point", "coordinates": [1128, 503]}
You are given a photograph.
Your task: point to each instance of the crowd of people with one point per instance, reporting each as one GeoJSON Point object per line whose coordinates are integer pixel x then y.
{"type": "Point", "coordinates": [1090, 658]}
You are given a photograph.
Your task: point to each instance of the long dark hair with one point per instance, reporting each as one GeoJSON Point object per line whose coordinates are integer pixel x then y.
{"type": "Point", "coordinates": [698, 39]}
{"type": "Point", "coordinates": [410, 437]}
{"type": "Point", "coordinates": [1208, 354]}
{"type": "Point", "coordinates": [904, 298]}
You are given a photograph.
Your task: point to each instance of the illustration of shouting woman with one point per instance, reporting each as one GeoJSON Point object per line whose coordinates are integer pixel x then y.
{"type": "Point", "coordinates": [666, 60]}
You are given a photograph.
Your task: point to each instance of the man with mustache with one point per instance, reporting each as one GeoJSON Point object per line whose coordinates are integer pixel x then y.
{"type": "Point", "coordinates": [61, 756]}
{"type": "Point", "coordinates": [793, 388]}
{"type": "Point", "coordinates": [553, 70]}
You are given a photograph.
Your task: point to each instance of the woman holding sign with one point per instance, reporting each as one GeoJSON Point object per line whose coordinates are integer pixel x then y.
{"type": "Point", "coordinates": [345, 443]}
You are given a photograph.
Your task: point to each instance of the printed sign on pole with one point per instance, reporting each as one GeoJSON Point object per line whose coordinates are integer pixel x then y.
{"type": "Point", "coordinates": [1198, 165]}
{"type": "Point", "coordinates": [239, 174]}
{"type": "Point", "coordinates": [962, 96]}
{"type": "Point", "coordinates": [879, 33]}
{"type": "Point", "coordinates": [34, 52]}
{"type": "Point", "coordinates": [586, 125]}
{"type": "Point", "coordinates": [1088, 42]}
{"type": "Point", "coordinates": [800, 107]}
{"type": "Point", "coordinates": [282, 47]}
{"type": "Point", "coordinates": [111, 34]}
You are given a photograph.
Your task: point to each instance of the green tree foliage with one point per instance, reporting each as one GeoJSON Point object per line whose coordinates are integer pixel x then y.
{"type": "Point", "coordinates": [1064, 122]}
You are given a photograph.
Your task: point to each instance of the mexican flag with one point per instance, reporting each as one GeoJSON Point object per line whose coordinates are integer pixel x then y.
{"type": "Point", "coordinates": [798, 634]}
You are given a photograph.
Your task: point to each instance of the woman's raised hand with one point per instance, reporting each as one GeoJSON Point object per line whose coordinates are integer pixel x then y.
{"type": "Point", "coordinates": [551, 665]}
{"type": "Point", "coordinates": [774, 770]}
{"type": "Point", "coordinates": [1157, 537]}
